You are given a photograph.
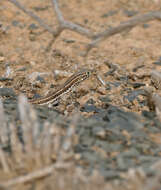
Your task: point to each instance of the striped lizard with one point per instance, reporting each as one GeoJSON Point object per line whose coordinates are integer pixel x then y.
{"type": "Point", "coordinates": [73, 81]}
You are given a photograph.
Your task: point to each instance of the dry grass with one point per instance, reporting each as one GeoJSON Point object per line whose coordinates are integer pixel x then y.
{"type": "Point", "coordinates": [45, 161]}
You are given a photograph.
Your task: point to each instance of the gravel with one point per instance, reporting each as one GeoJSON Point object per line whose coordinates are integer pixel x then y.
{"type": "Point", "coordinates": [110, 140]}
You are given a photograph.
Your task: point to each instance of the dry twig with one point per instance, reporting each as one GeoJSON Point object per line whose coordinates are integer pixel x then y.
{"type": "Point", "coordinates": [69, 25]}
{"type": "Point", "coordinates": [95, 39]}
{"type": "Point", "coordinates": [29, 177]}
{"type": "Point", "coordinates": [124, 26]}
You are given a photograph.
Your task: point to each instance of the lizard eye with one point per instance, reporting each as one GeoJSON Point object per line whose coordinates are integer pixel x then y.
{"type": "Point", "coordinates": [88, 73]}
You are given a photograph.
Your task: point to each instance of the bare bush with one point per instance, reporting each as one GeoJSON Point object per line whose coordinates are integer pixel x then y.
{"type": "Point", "coordinates": [95, 38]}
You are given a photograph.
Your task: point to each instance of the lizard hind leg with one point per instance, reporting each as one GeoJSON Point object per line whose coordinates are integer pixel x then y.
{"type": "Point", "coordinates": [55, 103]}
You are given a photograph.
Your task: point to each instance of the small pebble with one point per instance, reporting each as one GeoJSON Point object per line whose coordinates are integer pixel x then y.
{"type": "Point", "coordinates": [2, 59]}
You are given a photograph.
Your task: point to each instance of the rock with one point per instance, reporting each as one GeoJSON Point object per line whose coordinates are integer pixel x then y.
{"type": "Point", "coordinates": [33, 26]}
{"type": "Point", "coordinates": [130, 13]}
{"type": "Point", "coordinates": [156, 79]}
{"type": "Point", "coordinates": [109, 13]}
{"type": "Point", "coordinates": [7, 92]}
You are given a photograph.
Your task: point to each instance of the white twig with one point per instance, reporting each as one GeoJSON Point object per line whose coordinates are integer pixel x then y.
{"type": "Point", "coordinates": [100, 80]}
{"type": "Point", "coordinates": [57, 11]}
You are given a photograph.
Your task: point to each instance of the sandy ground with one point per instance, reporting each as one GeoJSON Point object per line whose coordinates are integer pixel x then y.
{"type": "Point", "coordinates": [23, 48]}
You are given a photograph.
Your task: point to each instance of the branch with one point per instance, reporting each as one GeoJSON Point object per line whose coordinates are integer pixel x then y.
{"type": "Point", "coordinates": [95, 39]}
{"type": "Point", "coordinates": [125, 25]}
{"type": "Point", "coordinates": [69, 25]}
